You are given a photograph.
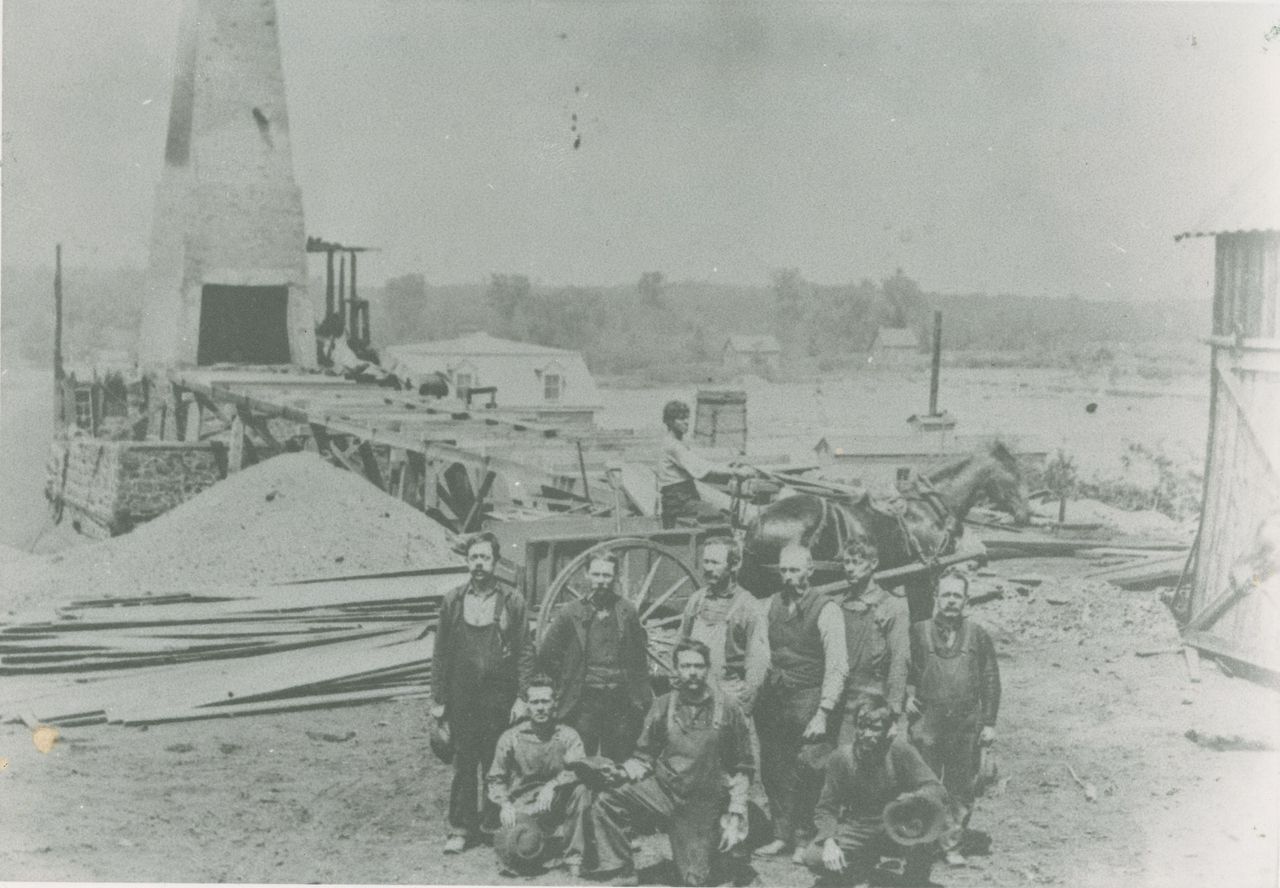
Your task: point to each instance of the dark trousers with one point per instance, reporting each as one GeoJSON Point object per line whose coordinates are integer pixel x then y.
{"type": "Point", "coordinates": [682, 505]}
{"type": "Point", "coordinates": [948, 742]}
{"type": "Point", "coordinates": [864, 842]}
{"type": "Point", "coordinates": [790, 766]}
{"type": "Point", "coordinates": [692, 826]}
{"type": "Point", "coordinates": [606, 722]}
{"type": "Point", "coordinates": [475, 733]}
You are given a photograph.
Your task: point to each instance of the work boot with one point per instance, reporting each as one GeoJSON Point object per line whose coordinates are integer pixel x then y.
{"type": "Point", "coordinates": [455, 844]}
{"type": "Point", "coordinates": [955, 858]}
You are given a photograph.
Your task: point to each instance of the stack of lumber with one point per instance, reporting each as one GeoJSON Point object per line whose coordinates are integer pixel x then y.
{"type": "Point", "coordinates": [226, 651]}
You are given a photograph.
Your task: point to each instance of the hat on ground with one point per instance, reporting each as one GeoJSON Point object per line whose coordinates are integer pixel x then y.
{"type": "Point", "coordinates": [441, 741]}
{"type": "Point", "coordinates": [915, 818]}
{"type": "Point", "coordinates": [520, 847]}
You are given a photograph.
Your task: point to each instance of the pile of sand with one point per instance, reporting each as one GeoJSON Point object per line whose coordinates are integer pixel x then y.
{"type": "Point", "coordinates": [291, 517]}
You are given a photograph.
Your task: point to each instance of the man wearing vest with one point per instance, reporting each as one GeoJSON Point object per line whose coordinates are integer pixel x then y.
{"type": "Point", "coordinates": [596, 650]}
{"type": "Point", "coordinates": [956, 692]}
{"type": "Point", "coordinates": [529, 777]}
{"type": "Point", "coordinates": [807, 669]}
{"type": "Point", "coordinates": [731, 623]}
{"type": "Point", "coordinates": [877, 629]}
{"type": "Point", "coordinates": [480, 664]}
{"type": "Point", "coordinates": [870, 770]}
{"type": "Point", "coordinates": [693, 752]}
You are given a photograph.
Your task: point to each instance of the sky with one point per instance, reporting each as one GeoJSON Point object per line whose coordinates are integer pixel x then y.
{"type": "Point", "coordinates": [1046, 149]}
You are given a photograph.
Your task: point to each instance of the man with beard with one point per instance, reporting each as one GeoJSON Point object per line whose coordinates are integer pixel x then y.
{"type": "Point", "coordinates": [807, 669]}
{"type": "Point", "coordinates": [730, 622]}
{"type": "Point", "coordinates": [529, 777]}
{"type": "Point", "coordinates": [694, 742]}
{"type": "Point", "coordinates": [956, 682]}
{"type": "Point", "coordinates": [876, 628]}
{"type": "Point", "coordinates": [862, 777]}
{"type": "Point", "coordinates": [482, 658]}
{"type": "Point", "coordinates": [596, 649]}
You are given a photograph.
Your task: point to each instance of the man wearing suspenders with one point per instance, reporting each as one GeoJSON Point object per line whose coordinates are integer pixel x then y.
{"type": "Point", "coordinates": [956, 682]}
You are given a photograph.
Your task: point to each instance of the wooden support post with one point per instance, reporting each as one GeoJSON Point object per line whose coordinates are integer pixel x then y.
{"type": "Point", "coordinates": [328, 284]}
{"type": "Point", "coordinates": [191, 425]}
{"type": "Point", "coordinates": [935, 371]}
{"type": "Point", "coordinates": [1192, 659]}
{"type": "Point", "coordinates": [369, 465]}
{"type": "Point", "coordinates": [342, 292]}
{"type": "Point", "coordinates": [235, 452]}
{"type": "Point", "coordinates": [412, 478]}
{"type": "Point", "coordinates": [59, 373]}
{"type": "Point", "coordinates": [476, 507]}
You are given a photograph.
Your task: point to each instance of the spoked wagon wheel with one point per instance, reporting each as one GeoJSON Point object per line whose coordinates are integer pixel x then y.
{"type": "Point", "coordinates": [650, 576]}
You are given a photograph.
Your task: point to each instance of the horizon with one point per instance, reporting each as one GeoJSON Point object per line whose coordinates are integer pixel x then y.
{"type": "Point", "coordinates": [1004, 148]}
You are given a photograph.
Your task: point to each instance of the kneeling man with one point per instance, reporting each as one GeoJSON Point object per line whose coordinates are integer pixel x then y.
{"type": "Point", "coordinates": [529, 774]}
{"type": "Point", "coordinates": [693, 751]}
{"type": "Point", "coordinates": [872, 771]}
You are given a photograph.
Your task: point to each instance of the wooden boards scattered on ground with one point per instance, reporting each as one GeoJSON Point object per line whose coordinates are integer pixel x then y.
{"type": "Point", "coordinates": [225, 652]}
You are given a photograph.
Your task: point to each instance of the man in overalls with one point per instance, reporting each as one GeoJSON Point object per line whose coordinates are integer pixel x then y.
{"type": "Point", "coordinates": [877, 629]}
{"type": "Point", "coordinates": [597, 651]}
{"type": "Point", "coordinates": [694, 750]}
{"type": "Point", "coordinates": [482, 657]}
{"type": "Point", "coordinates": [807, 669]}
{"type": "Point", "coordinates": [730, 621]}
{"type": "Point", "coordinates": [680, 466]}
{"type": "Point", "coordinates": [956, 693]}
{"type": "Point", "coordinates": [529, 777]}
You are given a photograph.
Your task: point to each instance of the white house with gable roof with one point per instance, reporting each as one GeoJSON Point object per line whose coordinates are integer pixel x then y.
{"type": "Point", "coordinates": [548, 384]}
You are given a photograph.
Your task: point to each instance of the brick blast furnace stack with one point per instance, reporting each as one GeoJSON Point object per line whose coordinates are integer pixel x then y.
{"type": "Point", "coordinates": [227, 280]}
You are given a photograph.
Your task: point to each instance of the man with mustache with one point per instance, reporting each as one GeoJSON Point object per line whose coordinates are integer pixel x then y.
{"type": "Point", "coordinates": [730, 622]}
{"type": "Point", "coordinates": [694, 741]}
{"type": "Point", "coordinates": [597, 650]}
{"type": "Point", "coordinates": [794, 711]}
{"type": "Point", "coordinates": [956, 694]}
{"type": "Point", "coordinates": [862, 777]}
{"type": "Point", "coordinates": [481, 662]}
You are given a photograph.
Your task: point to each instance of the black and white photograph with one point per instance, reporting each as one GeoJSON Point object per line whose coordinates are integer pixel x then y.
{"type": "Point", "coordinates": [569, 442]}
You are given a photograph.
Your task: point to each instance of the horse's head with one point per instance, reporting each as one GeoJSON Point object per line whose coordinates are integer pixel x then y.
{"type": "Point", "coordinates": [1003, 485]}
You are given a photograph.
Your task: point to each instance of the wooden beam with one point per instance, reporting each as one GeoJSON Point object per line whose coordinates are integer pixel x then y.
{"type": "Point", "coordinates": [369, 462]}
{"type": "Point", "coordinates": [191, 425]}
{"type": "Point", "coordinates": [235, 452]}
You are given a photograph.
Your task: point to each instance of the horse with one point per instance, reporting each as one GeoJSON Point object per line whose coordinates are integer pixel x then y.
{"type": "Point", "coordinates": [923, 523]}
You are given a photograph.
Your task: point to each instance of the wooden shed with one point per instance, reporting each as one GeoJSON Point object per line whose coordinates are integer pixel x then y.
{"type": "Point", "coordinates": [1232, 607]}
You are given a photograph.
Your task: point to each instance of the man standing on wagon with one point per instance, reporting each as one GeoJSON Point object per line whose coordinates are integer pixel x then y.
{"type": "Point", "coordinates": [597, 650]}
{"type": "Point", "coordinates": [956, 682]}
{"type": "Point", "coordinates": [807, 668]}
{"type": "Point", "coordinates": [480, 665]}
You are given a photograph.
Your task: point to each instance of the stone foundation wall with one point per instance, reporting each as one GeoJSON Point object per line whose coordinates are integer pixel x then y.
{"type": "Point", "coordinates": [108, 487]}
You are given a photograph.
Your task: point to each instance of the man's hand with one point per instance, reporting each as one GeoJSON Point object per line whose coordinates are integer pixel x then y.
{"type": "Point", "coordinates": [508, 814]}
{"type": "Point", "coordinates": [913, 709]}
{"type": "Point", "coordinates": [733, 829]}
{"type": "Point", "coordinates": [437, 712]}
{"type": "Point", "coordinates": [833, 856]}
{"type": "Point", "coordinates": [518, 711]}
{"type": "Point", "coordinates": [988, 736]}
{"type": "Point", "coordinates": [817, 725]}
{"type": "Point", "coordinates": [546, 796]}
{"type": "Point", "coordinates": [634, 769]}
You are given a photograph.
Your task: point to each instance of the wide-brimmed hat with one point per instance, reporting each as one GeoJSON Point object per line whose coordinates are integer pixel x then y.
{"type": "Point", "coordinates": [441, 741]}
{"type": "Point", "coordinates": [520, 846]}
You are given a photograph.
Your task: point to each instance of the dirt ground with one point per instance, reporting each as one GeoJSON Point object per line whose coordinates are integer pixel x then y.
{"type": "Point", "coordinates": [285, 798]}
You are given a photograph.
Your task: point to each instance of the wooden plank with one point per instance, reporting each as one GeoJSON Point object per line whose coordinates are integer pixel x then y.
{"type": "Point", "coordinates": [235, 451]}
{"type": "Point", "coordinates": [369, 463]}
{"type": "Point", "coordinates": [303, 704]}
{"type": "Point", "coordinates": [1213, 644]}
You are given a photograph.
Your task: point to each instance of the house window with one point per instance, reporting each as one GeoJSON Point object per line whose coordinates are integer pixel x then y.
{"type": "Point", "coordinates": [552, 386]}
{"type": "Point", "coordinates": [464, 380]}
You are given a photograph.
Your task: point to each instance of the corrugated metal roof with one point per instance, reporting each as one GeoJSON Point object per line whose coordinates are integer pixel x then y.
{"type": "Point", "coordinates": [479, 344]}
{"type": "Point", "coordinates": [1252, 204]}
{"type": "Point", "coordinates": [743, 343]}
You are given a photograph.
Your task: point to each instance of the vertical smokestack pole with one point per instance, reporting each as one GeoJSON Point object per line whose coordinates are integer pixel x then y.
{"type": "Point", "coordinates": [328, 283]}
{"type": "Point", "coordinates": [937, 363]}
{"type": "Point", "coordinates": [59, 374]}
{"type": "Point", "coordinates": [342, 290]}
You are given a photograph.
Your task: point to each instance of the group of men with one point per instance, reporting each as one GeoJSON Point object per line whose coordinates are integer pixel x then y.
{"type": "Point", "coordinates": [830, 704]}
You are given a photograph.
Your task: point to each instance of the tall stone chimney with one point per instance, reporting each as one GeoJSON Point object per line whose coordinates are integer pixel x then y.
{"type": "Point", "coordinates": [228, 277]}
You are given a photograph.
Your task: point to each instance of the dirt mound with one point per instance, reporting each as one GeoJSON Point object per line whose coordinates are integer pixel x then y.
{"type": "Point", "coordinates": [291, 517]}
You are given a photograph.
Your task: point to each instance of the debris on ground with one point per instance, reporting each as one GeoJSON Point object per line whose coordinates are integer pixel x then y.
{"type": "Point", "coordinates": [1227, 743]}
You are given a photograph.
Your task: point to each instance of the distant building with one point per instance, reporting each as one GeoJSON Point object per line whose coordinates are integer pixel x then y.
{"type": "Point", "coordinates": [895, 347]}
{"type": "Point", "coordinates": [546, 384]}
{"type": "Point", "coordinates": [751, 354]}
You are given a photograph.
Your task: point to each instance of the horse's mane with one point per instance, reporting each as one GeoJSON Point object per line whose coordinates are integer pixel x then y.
{"type": "Point", "coordinates": [997, 450]}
